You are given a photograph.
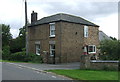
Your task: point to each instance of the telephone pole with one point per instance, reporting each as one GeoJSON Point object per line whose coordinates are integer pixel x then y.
{"type": "Point", "coordinates": [26, 27]}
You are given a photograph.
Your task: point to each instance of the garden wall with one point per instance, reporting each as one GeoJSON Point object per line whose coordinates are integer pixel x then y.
{"type": "Point", "coordinates": [106, 65]}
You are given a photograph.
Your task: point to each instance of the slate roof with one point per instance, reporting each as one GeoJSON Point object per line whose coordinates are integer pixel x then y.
{"type": "Point", "coordinates": [63, 17]}
{"type": "Point", "coordinates": [103, 36]}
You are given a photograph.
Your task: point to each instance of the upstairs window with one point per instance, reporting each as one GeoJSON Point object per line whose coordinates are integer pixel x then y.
{"type": "Point", "coordinates": [85, 31]}
{"type": "Point", "coordinates": [91, 49]}
{"type": "Point", "coordinates": [52, 29]}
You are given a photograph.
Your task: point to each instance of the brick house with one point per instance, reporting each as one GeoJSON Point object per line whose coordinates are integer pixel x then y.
{"type": "Point", "coordinates": [60, 38]}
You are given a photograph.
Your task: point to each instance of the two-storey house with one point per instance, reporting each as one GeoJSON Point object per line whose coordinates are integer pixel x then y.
{"type": "Point", "coordinates": [60, 38]}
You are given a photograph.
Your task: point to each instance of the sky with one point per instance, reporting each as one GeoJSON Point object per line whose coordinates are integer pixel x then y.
{"type": "Point", "coordinates": [101, 12]}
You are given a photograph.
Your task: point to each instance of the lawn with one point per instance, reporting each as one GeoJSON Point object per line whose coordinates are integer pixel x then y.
{"type": "Point", "coordinates": [88, 74]}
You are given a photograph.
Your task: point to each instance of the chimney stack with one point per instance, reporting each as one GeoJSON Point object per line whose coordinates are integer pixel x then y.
{"type": "Point", "coordinates": [33, 16]}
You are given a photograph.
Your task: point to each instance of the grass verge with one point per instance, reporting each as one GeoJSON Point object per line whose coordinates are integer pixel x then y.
{"type": "Point", "coordinates": [78, 74]}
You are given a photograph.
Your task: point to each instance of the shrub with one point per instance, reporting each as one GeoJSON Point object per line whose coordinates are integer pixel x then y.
{"type": "Point", "coordinates": [18, 56]}
{"type": "Point", "coordinates": [21, 56]}
{"type": "Point", "coordinates": [31, 57]}
{"type": "Point", "coordinates": [37, 59]}
{"type": "Point", "coordinates": [110, 49]}
{"type": "Point", "coordinates": [6, 53]}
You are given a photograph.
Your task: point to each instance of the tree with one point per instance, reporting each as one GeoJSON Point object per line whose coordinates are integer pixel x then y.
{"type": "Point", "coordinates": [6, 38]}
{"type": "Point", "coordinates": [113, 38]}
{"type": "Point", "coordinates": [22, 32]}
{"type": "Point", "coordinates": [17, 44]}
{"type": "Point", "coordinates": [110, 49]}
{"type": "Point", "coordinates": [6, 35]}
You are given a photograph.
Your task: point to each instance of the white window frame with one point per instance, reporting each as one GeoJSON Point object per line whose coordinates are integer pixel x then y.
{"type": "Point", "coordinates": [51, 54]}
{"type": "Point", "coordinates": [37, 49]}
{"type": "Point", "coordinates": [52, 28]}
{"type": "Point", "coordinates": [85, 31]}
{"type": "Point", "coordinates": [93, 49]}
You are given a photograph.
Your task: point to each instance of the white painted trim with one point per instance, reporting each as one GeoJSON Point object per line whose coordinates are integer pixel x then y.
{"type": "Point", "coordinates": [51, 28]}
{"type": "Point", "coordinates": [52, 23]}
{"type": "Point", "coordinates": [92, 52]}
{"type": "Point", "coordinates": [104, 61]}
{"type": "Point", "coordinates": [86, 31]}
{"type": "Point", "coordinates": [52, 36]}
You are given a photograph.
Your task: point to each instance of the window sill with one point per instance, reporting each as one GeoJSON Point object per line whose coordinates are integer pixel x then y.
{"type": "Point", "coordinates": [51, 55]}
{"type": "Point", "coordinates": [52, 36]}
{"type": "Point", "coordinates": [92, 52]}
{"type": "Point", "coordinates": [37, 54]}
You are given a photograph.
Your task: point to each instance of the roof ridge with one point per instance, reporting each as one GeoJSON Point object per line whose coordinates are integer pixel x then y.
{"type": "Point", "coordinates": [51, 16]}
{"type": "Point", "coordinates": [64, 17]}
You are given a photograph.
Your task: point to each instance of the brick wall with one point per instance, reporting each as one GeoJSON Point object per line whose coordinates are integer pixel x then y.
{"type": "Point", "coordinates": [41, 33]}
{"type": "Point", "coordinates": [107, 65]}
{"type": "Point", "coordinates": [73, 40]}
{"type": "Point", "coordinates": [93, 38]}
{"type": "Point", "coordinates": [68, 39]}
{"type": "Point", "coordinates": [86, 63]}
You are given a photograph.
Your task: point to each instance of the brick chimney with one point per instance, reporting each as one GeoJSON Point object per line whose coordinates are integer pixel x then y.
{"type": "Point", "coordinates": [33, 16]}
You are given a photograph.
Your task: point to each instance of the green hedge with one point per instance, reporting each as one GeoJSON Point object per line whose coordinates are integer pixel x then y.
{"type": "Point", "coordinates": [6, 53]}
{"type": "Point", "coordinates": [18, 56]}
{"type": "Point", "coordinates": [21, 56]}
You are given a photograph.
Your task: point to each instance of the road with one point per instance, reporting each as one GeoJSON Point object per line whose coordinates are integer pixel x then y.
{"type": "Point", "coordinates": [14, 72]}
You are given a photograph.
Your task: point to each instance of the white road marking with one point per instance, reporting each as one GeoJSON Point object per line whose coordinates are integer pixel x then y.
{"type": "Point", "coordinates": [53, 76]}
{"type": "Point", "coordinates": [27, 67]}
{"type": "Point", "coordinates": [37, 72]}
{"type": "Point", "coordinates": [20, 67]}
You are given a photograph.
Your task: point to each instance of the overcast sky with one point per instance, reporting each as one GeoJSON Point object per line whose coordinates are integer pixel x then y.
{"type": "Point", "coordinates": [101, 12]}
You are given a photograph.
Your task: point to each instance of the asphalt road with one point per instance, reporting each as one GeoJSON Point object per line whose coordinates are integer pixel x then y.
{"type": "Point", "coordinates": [14, 72]}
{"type": "Point", "coordinates": [75, 65]}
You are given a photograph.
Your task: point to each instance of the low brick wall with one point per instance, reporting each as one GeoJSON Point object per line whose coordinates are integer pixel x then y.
{"type": "Point", "coordinates": [106, 65]}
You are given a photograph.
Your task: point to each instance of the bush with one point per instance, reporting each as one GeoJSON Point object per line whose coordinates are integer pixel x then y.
{"type": "Point", "coordinates": [31, 57]}
{"type": "Point", "coordinates": [6, 53]}
{"type": "Point", "coordinates": [110, 49]}
{"type": "Point", "coordinates": [21, 56]}
{"type": "Point", "coordinates": [37, 59]}
{"type": "Point", "coordinates": [18, 56]}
